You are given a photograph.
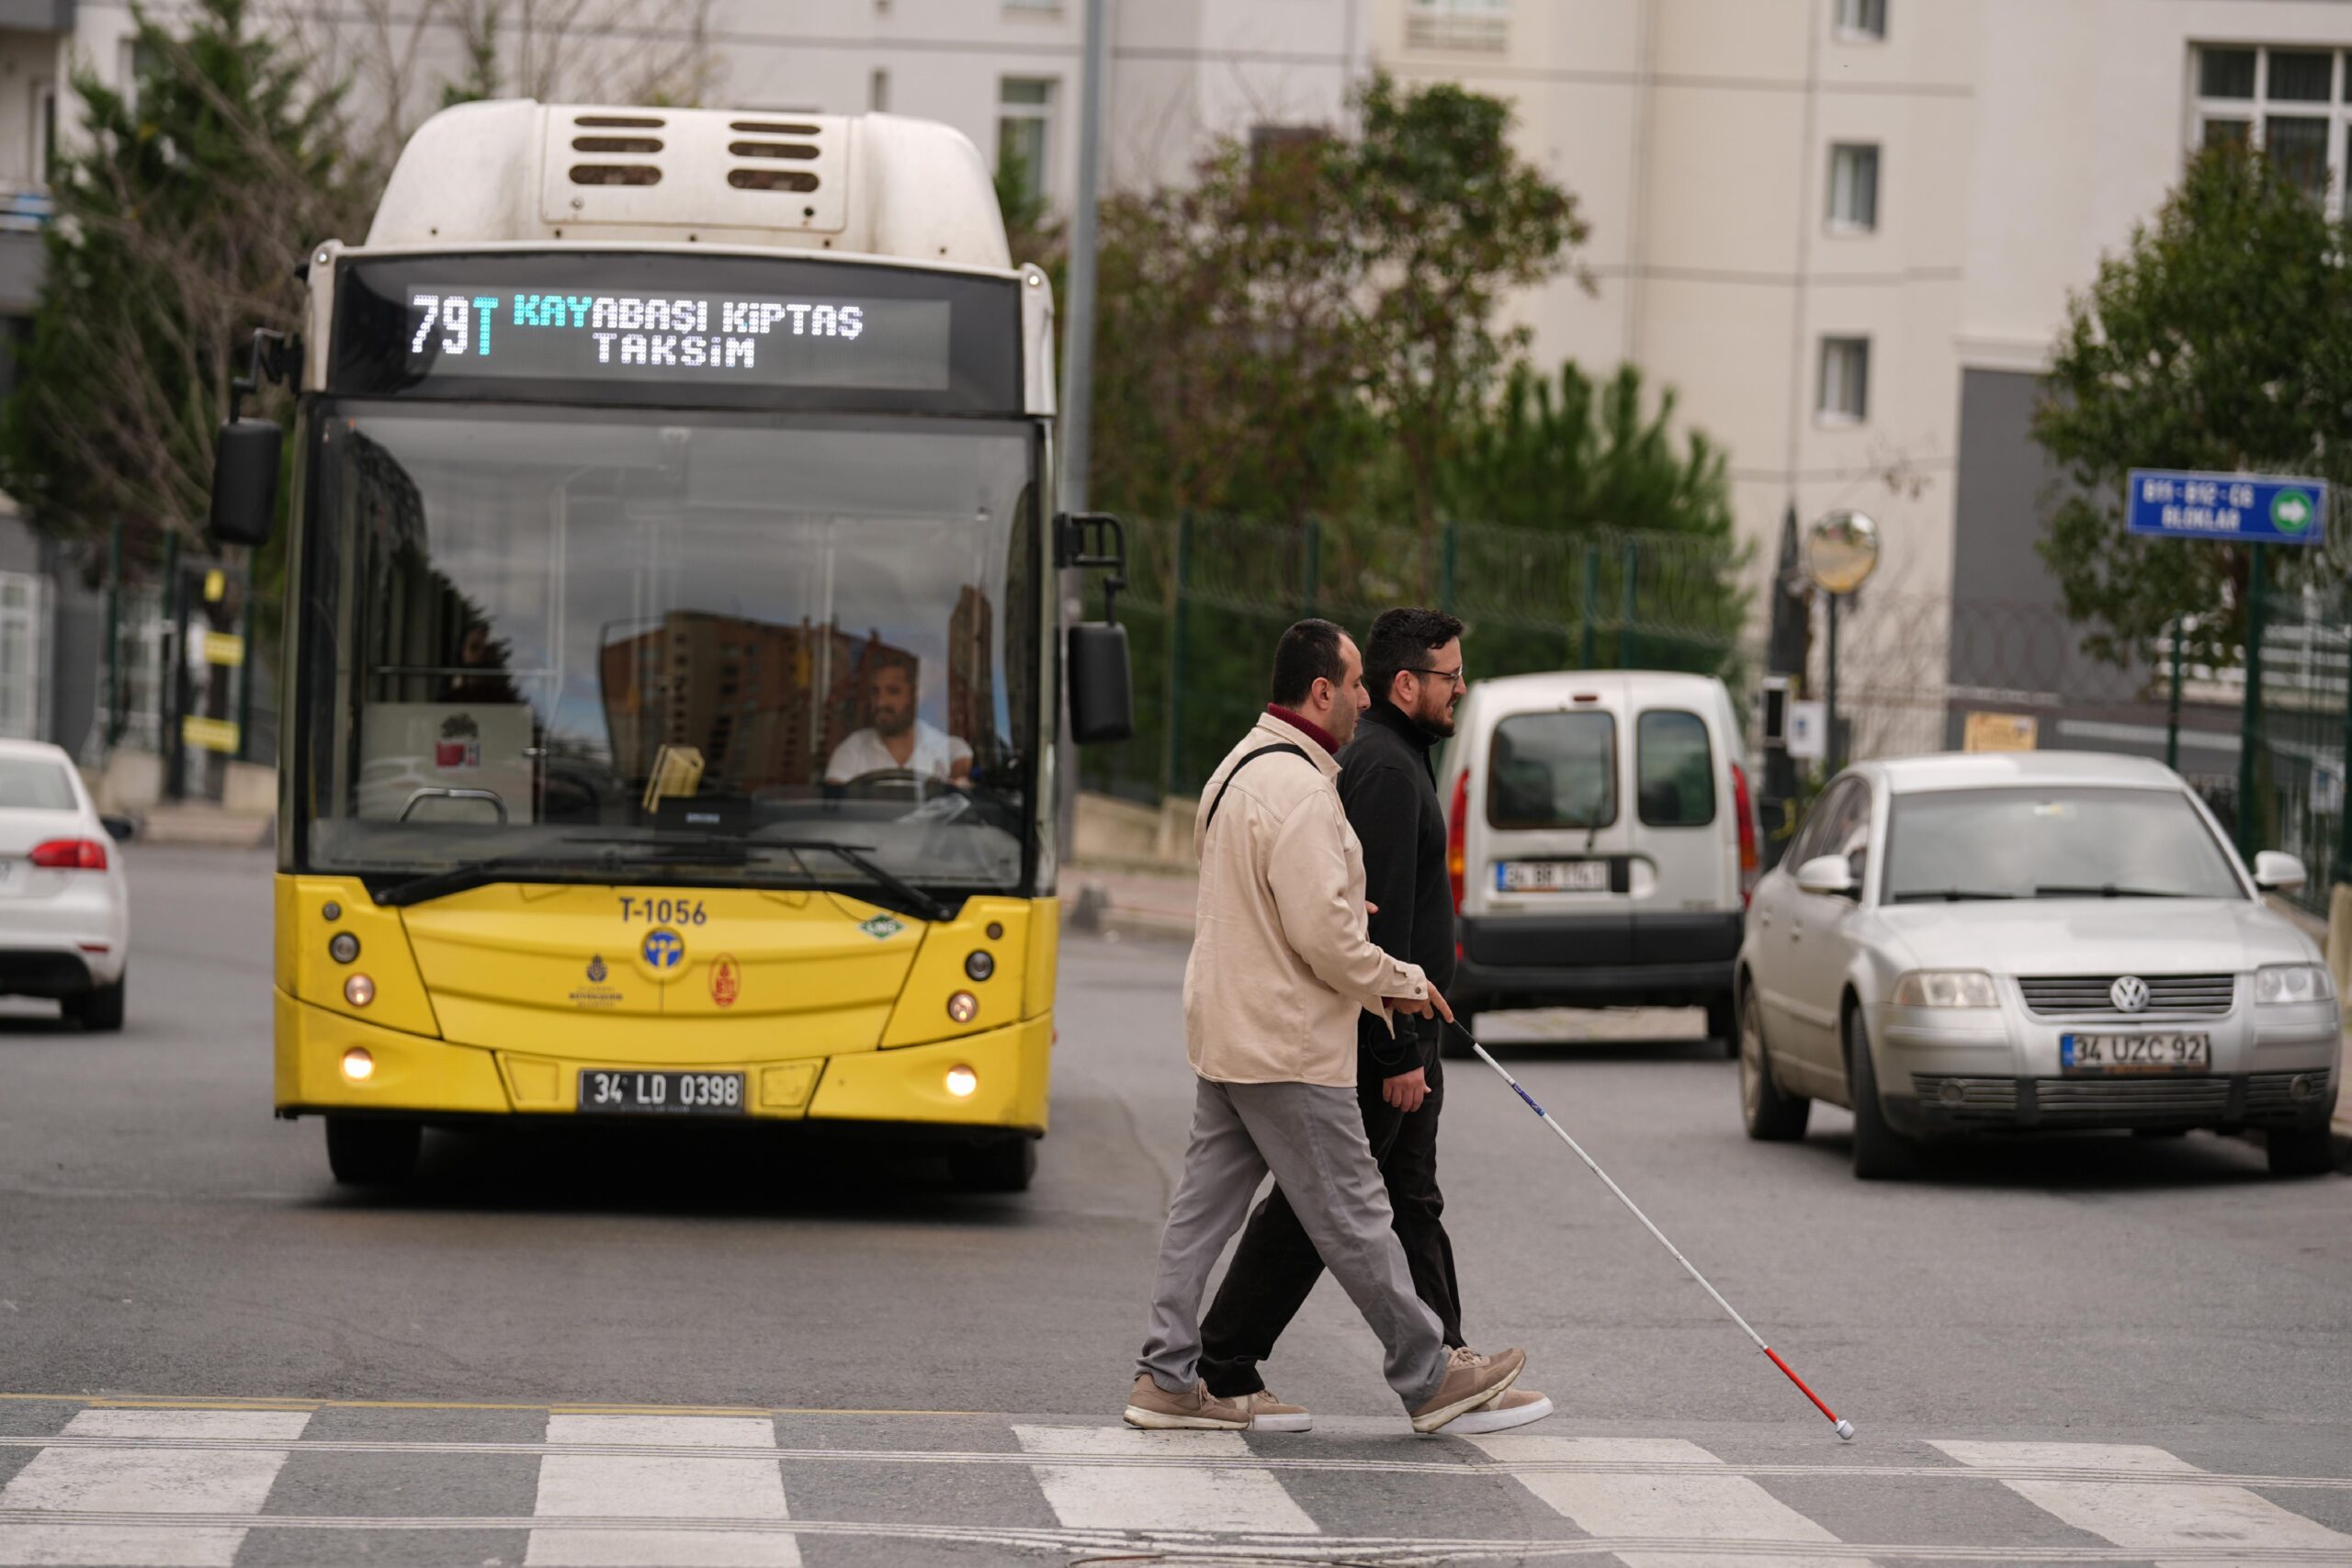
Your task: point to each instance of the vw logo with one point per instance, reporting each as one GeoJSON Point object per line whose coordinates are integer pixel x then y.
{"type": "Point", "coordinates": [664, 949]}
{"type": "Point", "coordinates": [2130, 994]}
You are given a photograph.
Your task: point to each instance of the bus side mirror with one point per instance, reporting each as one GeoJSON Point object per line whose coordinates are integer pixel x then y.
{"type": "Point", "coordinates": [245, 481]}
{"type": "Point", "coordinates": [1102, 692]}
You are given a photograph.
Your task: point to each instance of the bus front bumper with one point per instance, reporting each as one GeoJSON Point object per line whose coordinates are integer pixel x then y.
{"type": "Point", "coordinates": [434, 1081]}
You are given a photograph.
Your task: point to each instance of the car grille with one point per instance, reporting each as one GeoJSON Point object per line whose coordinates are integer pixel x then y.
{"type": "Point", "coordinates": [1979, 1100]}
{"type": "Point", "coordinates": [2207, 996]}
{"type": "Point", "coordinates": [2069, 1100]}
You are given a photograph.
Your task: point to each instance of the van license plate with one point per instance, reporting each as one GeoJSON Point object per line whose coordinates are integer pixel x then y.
{"type": "Point", "coordinates": [1552, 877]}
{"type": "Point", "coordinates": [662, 1094]}
{"type": "Point", "coordinates": [2105, 1055]}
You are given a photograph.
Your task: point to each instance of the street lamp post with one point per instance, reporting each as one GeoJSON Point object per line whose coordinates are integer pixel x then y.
{"type": "Point", "coordinates": [1840, 553]}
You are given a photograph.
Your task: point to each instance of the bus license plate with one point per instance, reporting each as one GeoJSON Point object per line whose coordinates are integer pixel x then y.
{"type": "Point", "coordinates": [1552, 877]}
{"type": "Point", "coordinates": [667, 1094]}
{"type": "Point", "coordinates": [2099, 1054]}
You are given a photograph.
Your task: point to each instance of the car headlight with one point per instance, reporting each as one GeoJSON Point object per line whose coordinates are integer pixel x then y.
{"type": "Point", "coordinates": [2281, 984]}
{"type": "Point", "coordinates": [1946, 989]}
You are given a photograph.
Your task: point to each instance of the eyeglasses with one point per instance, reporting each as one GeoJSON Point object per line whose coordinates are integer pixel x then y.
{"type": "Point", "coordinates": [1455, 674]}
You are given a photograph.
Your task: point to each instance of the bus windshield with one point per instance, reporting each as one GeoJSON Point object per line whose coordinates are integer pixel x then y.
{"type": "Point", "coordinates": [706, 647]}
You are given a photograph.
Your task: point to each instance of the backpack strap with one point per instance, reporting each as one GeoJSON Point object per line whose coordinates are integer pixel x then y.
{"type": "Point", "coordinates": [1261, 751]}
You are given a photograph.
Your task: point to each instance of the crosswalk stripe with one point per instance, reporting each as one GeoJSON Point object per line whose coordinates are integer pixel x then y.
{"type": "Point", "coordinates": [686, 1485]}
{"type": "Point", "coordinates": [1709, 1502]}
{"type": "Point", "coordinates": [2155, 1516]}
{"type": "Point", "coordinates": [146, 1479]}
{"type": "Point", "coordinates": [1155, 1497]}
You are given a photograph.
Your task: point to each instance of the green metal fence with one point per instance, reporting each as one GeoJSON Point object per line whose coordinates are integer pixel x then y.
{"type": "Point", "coordinates": [2296, 735]}
{"type": "Point", "coordinates": [1208, 596]}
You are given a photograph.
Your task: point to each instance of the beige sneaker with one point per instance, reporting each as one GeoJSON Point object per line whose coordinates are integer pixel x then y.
{"type": "Point", "coordinates": [1155, 1409]}
{"type": "Point", "coordinates": [1512, 1407]}
{"type": "Point", "coordinates": [1268, 1413]}
{"type": "Point", "coordinates": [1471, 1380]}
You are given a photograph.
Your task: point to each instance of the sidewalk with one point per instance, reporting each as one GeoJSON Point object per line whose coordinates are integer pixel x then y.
{"type": "Point", "coordinates": [1130, 900]}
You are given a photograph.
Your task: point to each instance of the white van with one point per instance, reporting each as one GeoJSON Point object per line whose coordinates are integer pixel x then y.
{"type": "Point", "coordinates": [1602, 842]}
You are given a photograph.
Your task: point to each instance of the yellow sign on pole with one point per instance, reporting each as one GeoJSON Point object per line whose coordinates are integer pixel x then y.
{"type": "Point", "coordinates": [209, 734]}
{"type": "Point", "coordinates": [224, 647]}
{"type": "Point", "coordinates": [2001, 732]}
{"type": "Point", "coordinates": [216, 585]}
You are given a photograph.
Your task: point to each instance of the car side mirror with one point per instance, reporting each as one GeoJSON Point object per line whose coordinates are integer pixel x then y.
{"type": "Point", "coordinates": [1829, 875]}
{"type": "Point", "coordinates": [1102, 690]}
{"type": "Point", "coordinates": [2277, 872]}
{"type": "Point", "coordinates": [245, 481]}
{"type": "Point", "coordinates": [120, 828]}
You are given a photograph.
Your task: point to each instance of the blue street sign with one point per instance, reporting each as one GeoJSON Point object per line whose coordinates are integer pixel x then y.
{"type": "Point", "coordinates": [2246, 507]}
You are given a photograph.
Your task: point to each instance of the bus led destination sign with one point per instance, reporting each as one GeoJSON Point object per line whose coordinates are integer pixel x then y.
{"type": "Point", "coordinates": [762, 340]}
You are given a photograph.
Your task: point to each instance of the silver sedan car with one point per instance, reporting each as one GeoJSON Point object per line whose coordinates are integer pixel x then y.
{"type": "Point", "coordinates": [1959, 944]}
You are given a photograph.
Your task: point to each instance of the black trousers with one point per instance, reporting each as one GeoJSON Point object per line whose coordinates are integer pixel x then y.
{"type": "Point", "coordinates": [1276, 1265]}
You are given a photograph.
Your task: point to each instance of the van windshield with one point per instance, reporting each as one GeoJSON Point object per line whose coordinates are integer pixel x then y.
{"type": "Point", "coordinates": [1553, 770]}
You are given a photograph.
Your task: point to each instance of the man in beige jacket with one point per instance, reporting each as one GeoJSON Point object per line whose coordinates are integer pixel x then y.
{"type": "Point", "coordinates": [1281, 967]}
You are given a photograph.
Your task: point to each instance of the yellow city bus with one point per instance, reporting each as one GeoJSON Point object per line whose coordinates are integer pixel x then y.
{"type": "Point", "coordinates": [673, 654]}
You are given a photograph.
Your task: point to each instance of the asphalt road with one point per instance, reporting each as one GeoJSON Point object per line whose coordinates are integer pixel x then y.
{"type": "Point", "coordinates": [162, 1238]}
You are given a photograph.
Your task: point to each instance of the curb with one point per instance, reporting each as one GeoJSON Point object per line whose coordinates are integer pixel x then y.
{"type": "Point", "coordinates": [1093, 913]}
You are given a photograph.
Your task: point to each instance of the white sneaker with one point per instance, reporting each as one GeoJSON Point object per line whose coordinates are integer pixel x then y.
{"type": "Point", "coordinates": [1512, 1407]}
{"type": "Point", "coordinates": [1268, 1413]}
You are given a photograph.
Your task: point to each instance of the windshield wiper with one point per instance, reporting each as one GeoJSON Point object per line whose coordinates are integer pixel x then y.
{"type": "Point", "coordinates": [718, 848]}
{"type": "Point", "coordinates": [460, 878]}
{"type": "Point", "coordinates": [701, 850]}
{"type": "Point", "coordinates": [2104, 890]}
{"type": "Point", "coordinates": [1945, 894]}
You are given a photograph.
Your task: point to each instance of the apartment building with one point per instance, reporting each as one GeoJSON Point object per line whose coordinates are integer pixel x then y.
{"type": "Point", "coordinates": [1845, 230]}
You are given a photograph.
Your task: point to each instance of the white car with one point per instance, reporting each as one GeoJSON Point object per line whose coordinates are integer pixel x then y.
{"type": "Point", "coordinates": [1959, 944]}
{"type": "Point", "coordinates": [64, 907]}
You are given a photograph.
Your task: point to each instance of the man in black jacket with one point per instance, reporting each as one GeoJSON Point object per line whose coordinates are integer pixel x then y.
{"type": "Point", "coordinates": [1413, 667]}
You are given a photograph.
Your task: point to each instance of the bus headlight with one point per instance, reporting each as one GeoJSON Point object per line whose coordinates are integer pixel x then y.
{"type": "Point", "coordinates": [963, 1007]}
{"type": "Point", "coordinates": [360, 990]}
{"type": "Point", "coordinates": [980, 965]}
{"type": "Point", "coordinates": [358, 1064]}
{"type": "Point", "coordinates": [342, 947]}
{"type": "Point", "coordinates": [962, 1082]}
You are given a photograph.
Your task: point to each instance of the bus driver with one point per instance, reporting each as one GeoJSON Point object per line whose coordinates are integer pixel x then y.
{"type": "Point", "coordinates": [896, 740]}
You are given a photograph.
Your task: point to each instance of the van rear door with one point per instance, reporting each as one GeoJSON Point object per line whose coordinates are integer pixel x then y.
{"type": "Point", "coordinates": [1686, 882]}
{"type": "Point", "coordinates": [1558, 837]}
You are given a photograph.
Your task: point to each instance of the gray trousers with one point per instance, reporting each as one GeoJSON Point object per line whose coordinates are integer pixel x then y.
{"type": "Point", "coordinates": [1311, 1136]}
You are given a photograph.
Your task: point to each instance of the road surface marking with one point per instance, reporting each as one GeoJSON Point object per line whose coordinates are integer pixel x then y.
{"type": "Point", "coordinates": [1680, 1508]}
{"type": "Point", "coordinates": [1097, 1495]}
{"type": "Point", "coordinates": [150, 1478]}
{"type": "Point", "coordinates": [278, 1402]}
{"type": "Point", "coordinates": [2158, 1514]}
{"type": "Point", "coordinates": [1433, 1469]}
{"type": "Point", "coordinates": [698, 1489]}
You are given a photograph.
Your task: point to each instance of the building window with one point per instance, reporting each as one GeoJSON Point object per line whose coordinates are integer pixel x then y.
{"type": "Point", "coordinates": [1479, 25]}
{"type": "Point", "coordinates": [2293, 104]}
{"type": "Point", "coordinates": [877, 93]}
{"type": "Point", "coordinates": [45, 137]}
{"type": "Point", "coordinates": [1862, 19]}
{"type": "Point", "coordinates": [1024, 118]}
{"type": "Point", "coordinates": [1275, 143]}
{"type": "Point", "coordinates": [1845, 381]}
{"type": "Point", "coordinates": [1854, 186]}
